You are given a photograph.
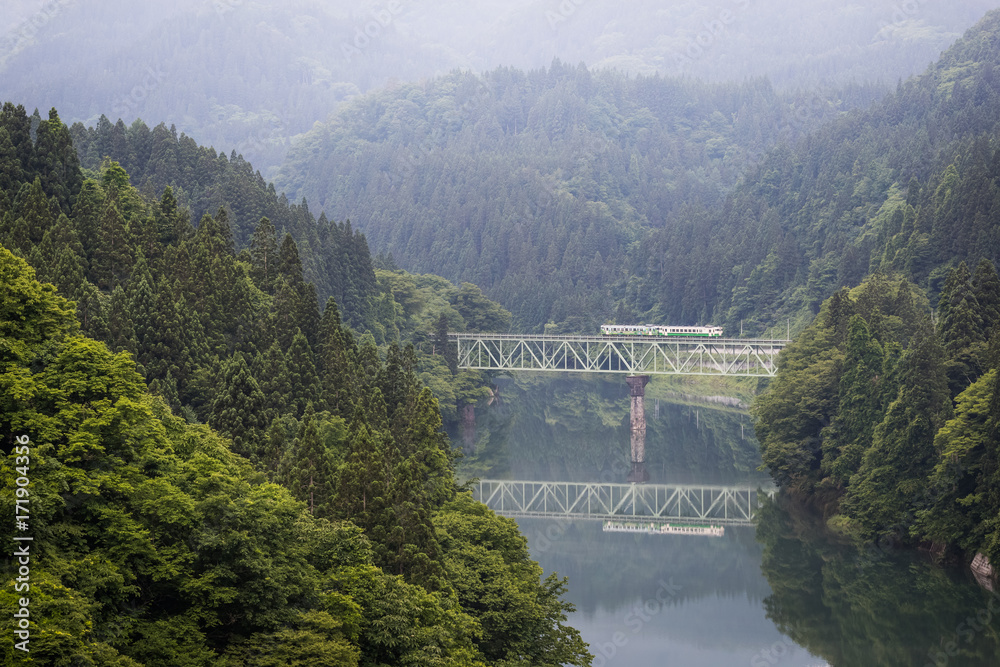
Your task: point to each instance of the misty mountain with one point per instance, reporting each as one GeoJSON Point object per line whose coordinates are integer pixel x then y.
{"type": "Point", "coordinates": [537, 185]}
{"type": "Point", "coordinates": [575, 197]}
{"type": "Point", "coordinates": [252, 75]}
{"type": "Point", "coordinates": [910, 186]}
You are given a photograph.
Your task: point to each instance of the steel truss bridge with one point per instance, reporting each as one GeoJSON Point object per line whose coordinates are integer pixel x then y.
{"type": "Point", "coordinates": [731, 505]}
{"type": "Point", "coordinates": [634, 355]}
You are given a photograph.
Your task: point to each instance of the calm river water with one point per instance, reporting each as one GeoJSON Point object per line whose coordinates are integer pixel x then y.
{"type": "Point", "coordinates": [779, 593]}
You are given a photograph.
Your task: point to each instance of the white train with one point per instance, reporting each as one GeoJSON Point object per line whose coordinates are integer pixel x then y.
{"type": "Point", "coordinates": [657, 330]}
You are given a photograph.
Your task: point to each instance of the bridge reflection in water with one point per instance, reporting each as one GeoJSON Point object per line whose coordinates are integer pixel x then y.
{"type": "Point", "coordinates": [730, 505]}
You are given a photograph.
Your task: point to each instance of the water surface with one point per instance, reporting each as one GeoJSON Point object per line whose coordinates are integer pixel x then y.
{"type": "Point", "coordinates": [779, 593]}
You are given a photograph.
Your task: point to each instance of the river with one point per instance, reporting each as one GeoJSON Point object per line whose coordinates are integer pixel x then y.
{"type": "Point", "coordinates": [781, 592]}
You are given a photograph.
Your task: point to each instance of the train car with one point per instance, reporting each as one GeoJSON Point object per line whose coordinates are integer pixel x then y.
{"type": "Point", "coordinates": [659, 330]}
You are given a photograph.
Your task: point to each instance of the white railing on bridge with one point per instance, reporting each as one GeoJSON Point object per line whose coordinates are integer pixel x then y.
{"type": "Point", "coordinates": [634, 355]}
{"type": "Point", "coordinates": [733, 505]}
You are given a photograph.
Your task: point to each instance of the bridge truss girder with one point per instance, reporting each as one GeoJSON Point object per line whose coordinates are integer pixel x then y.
{"type": "Point", "coordinates": [632, 355]}
{"type": "Point", "coordinates": [735, 505]}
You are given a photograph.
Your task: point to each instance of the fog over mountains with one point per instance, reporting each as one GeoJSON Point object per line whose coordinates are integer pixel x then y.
{"type": "Point", "coordinates": [252, 75]}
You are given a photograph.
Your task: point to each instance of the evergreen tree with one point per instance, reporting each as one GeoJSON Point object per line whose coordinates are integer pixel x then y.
{"type": "Point", "coordinates": [112, 256]}
{"type": "Point", "coordinates": [121, 332]}
{"type": "Point", "coordinates": [302, 303]}
{"type": "Point", "coordinates": [87, 218]}
{"type": "Point", "coordinates": [962, 329]}
{"type": "Point", "coordinates": [305, 386]}
{"type": "Point", "coordinates": [142, 313]}
{"type": "Point", "coordinates": [284, 313]}
{"type": "Point", "coordinates": [271, 371]}
{"type": "Point", "coordinates": [264, 255]}
{"type": "Point", "coordinates": [90, 311]}
{"type": "Point", "coordinates": [238, 408]}
{"type": "Point", "coordinates": [397, 380]}
{"type": "Point", "coordinates": [960, 318]}
{"type": "Point", "coordinates": [335, 356]}
{"type": "Point", "coordinates": [62, 258]}
{"type": "Point", "coordinates": [308, 470]}
{"type": "Point", "coordinates": [225, 231]}
{"type": "Point", "coordinates": [888, 488]}
{"type": "Point", "coordinates": [986, 288]}
{"type": "Point", "coordinates": [859, 409]}
{"type": "Point", "coordinates": [362, 479]}
{"type": "Point", "coordinates": [166, 217]}
{"type": "Point", "coordinates": [964, 500]}
{"type": "Point", "coordinates": [57, 163]}
{"type": "Point", "coordinates": [14, 119]}
{"type": "Point", "coordinates": [11, 175]}
{"type": "Point", "coordinates": [32, 214]}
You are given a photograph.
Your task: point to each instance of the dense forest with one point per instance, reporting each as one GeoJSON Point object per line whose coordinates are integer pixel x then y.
{"type": "Point", "coordinates": [237, 412]}
{"type": "Point", "coordinates": [889, 420]}
{"type": "Point", "coordinates": [576, 197]}
{"type": "Point", "coordinates": [540, 186]}
{"type": "Point", "coordinates": [886, 409]}
{"type": "Point", "coordinates": [220, 472]}
{"type": "Point", "coordinates": [908, 185]}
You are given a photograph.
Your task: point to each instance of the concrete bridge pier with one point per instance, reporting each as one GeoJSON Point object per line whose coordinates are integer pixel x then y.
{"type": "Point", "coordinates": [637, 420]}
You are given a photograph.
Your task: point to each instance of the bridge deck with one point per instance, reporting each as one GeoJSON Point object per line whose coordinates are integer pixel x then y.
{"type": "Point", "coordinates": [642, 355]}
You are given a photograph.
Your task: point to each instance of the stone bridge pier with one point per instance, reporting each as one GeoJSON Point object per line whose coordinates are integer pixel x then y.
{"type": "Point", "coordinates": [637, 420]}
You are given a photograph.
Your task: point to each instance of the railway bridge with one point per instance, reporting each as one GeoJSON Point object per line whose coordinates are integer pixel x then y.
{"type": "Point", "coordinates": [636, 357]}
{"type": "Point", "coordinates": [630, 355]}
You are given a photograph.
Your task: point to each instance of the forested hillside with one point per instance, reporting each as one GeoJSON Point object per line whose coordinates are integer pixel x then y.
{"type": "Point", "coordinates": [886, 409]}
{"type": "Point", "coordinates": [892, 421]}
{"type": "Point", "coordinates": [334, 258]}
{"type": "Point", "coordinates": [312, 519]}
{"type": "Point", "coordinates": [575, 198]}
{"type": "Point", "coordinates": [909, 185]}
{"type": "Point", "coordinates": [540, 186]}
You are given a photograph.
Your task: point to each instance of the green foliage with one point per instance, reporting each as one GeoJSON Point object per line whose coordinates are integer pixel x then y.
{"type": "Point", "coordinates": [894, 469]}
{"type": "Point", "coordinates": [868, 386]}
{"type": "Point", "coordinates": [858, 406]}
{"type": "Point", "coordinates": [329, 255]}
{"type": "Point", "coordinates": [964, 495]}
{"type": "Point", "coordinates": [487, 562]}
{"type": "Point", "coordinates": [156, 545]}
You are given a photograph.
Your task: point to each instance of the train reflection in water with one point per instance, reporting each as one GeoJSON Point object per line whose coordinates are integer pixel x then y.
{"type": "Point", "coordinates": [657, 528]}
